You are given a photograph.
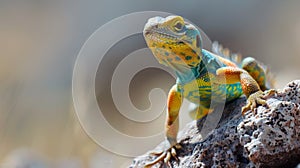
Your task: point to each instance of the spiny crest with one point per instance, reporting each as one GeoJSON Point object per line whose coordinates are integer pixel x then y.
{"type": "Point", "coordinates": [226, 53]}
{"type": "Point", "coordinates": [237, 58]}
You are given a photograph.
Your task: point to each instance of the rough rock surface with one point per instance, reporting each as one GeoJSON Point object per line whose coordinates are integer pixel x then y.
{"type": "Point", "coordinates": [269, 136]}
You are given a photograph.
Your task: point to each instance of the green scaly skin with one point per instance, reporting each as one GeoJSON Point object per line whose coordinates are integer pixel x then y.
{"type": "Point", "coordinates": [201, 75]}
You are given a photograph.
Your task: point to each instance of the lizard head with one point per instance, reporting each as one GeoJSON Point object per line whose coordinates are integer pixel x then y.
{"type": "Point", "coordinates": [173, 41]}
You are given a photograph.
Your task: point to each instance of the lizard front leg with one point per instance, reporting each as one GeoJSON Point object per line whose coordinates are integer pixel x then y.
{"type": "Point", "coordinates": [249, 86]}
{"type": "Point", "coordinates": [172, 125]}
{"type": "Point", "coordinates": [199, 111]}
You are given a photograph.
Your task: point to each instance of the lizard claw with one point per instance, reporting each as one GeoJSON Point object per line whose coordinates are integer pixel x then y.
{"type": "Point", "coordinates": [165, 156]}
{"type": "Point", "coordinates": [257, 98]}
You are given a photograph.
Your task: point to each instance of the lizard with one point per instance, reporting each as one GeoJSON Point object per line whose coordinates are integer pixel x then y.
{"type": "Point", "coordinates": [177, 44]}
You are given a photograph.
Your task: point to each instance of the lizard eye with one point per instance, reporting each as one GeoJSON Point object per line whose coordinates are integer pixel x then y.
{"type": "Point", "coordinates": [178, 26]}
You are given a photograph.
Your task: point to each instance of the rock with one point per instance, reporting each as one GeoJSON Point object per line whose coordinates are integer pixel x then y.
{"type": "Point", "coordinates": [269, 136]}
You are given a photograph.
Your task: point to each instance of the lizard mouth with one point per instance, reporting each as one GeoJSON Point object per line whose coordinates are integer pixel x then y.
{"type": "Point", "coordinates": [159, 36]}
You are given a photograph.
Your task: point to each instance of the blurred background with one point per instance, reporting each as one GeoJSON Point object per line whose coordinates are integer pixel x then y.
{"type": "Point", "coordinates": [39, 43]}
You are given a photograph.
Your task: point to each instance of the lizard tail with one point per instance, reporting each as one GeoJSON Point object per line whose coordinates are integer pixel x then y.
{"type": "Point", "coordinates": [237, 58]}
{"type": "Point", "coordinates": [270, 77]}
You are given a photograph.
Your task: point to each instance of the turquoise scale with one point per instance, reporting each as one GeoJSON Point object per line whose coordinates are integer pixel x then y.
{"type": "Point", "coordinates": [209, 64]}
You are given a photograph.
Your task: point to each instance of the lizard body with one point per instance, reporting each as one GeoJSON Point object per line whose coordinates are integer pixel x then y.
{"type": "Point", "coordinates": [202, 76]}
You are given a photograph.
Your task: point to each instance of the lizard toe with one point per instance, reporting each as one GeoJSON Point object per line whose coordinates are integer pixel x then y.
{"type": "Point", "coordinates": [165, 156]}
{"type": "Point", "coordinates": [269, 93]}
{"type": "Point", "coordinates": [256, 99]}
{"type": "Point", "coordinates": [157, 153]}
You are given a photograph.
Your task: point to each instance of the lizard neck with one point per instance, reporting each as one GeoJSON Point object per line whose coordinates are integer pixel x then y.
{"type": "Point", "coordinates": [208, 65]}
{"type": "Point", "coordinates": [189, 74]}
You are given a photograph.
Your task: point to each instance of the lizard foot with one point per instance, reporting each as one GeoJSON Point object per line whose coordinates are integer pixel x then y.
{"type": "Point", "coordinates": [257, 98]}
{"type": "Point", "coordinates": [164, 156]}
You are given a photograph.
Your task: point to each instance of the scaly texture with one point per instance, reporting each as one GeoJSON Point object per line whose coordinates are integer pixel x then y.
{"type": "Point", "coordinates": [202, 76]}
{"type": "Point", "coordinates": [268, 136]}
